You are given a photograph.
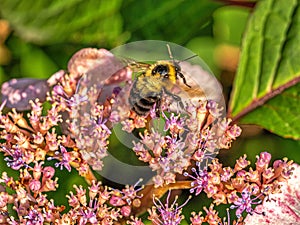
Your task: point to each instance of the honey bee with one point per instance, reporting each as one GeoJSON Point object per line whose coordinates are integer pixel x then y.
{"type": "Point", "coordinates": [154, 81]}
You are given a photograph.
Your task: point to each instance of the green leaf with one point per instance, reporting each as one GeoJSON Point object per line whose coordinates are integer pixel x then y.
{"type": "Point", "coordinates": [2, 75]}
{"type": "Point", "coordinates": [170, 20]}
{"type": "Point", "coordinates": [56, 21]}
{"type": "Point", "coordinates": [269, 65]}
{"type": "Point", "coordinates": [280, 115]}
{"type": "Point", "coordinates": [34, 63]}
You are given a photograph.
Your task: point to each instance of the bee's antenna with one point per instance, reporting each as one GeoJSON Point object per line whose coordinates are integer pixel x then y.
{"type": "Point", "coordinates": [171, 56]}
{"type": "Point", "coordinates": [193, 56]}
{"type": "Point", "coordinates": [170, 53]}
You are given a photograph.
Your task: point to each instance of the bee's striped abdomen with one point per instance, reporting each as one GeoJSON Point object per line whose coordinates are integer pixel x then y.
{"type": "Point", "coordinates": [142, 103]}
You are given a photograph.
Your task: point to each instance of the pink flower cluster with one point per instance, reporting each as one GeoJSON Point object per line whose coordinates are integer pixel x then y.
{"type": "Point", "coordinates": [75, 132]}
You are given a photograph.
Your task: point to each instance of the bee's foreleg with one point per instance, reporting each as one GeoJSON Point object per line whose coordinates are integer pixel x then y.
{"type": "Point", "coordinates": [184, 80]}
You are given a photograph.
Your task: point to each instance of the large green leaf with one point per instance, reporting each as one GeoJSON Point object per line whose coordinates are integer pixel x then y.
{"type": "Point", "coordinates": [171, 20]}
{"type": "Point", "coordinates": [270, 64]}
{"type": "Point", "coordinates": [56, 21]}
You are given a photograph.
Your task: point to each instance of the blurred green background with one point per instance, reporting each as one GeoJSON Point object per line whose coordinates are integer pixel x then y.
{"type": "Point", "coordinates": [37, 38]}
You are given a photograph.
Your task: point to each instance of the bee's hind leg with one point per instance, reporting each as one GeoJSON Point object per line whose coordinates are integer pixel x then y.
{"type": "Point", "coordinates": [157, 108]}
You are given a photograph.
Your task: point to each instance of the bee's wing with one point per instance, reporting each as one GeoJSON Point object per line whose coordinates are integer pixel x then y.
{"type": "Point", "coordinates": [135, 66]}
{"type": "Point", "coordinates": [204, 86]}
{"type": "Point", "coordinates": [138, 67]}
{"type": "Point", "coordinates": [191, 92]}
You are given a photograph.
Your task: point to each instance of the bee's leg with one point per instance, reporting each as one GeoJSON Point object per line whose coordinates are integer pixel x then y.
{"type": "Point", "coordinates": [157, 108]}
{"type": "Point", "coordinates": [184, 80]}
{"type": "Point", "coordinates": [175, 98]}
{"type": "Point", "coordinates": [178, 100]}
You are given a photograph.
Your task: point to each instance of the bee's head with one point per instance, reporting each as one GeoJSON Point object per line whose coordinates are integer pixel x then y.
{"type": "Point", "coordinates": [177, 68]}
{"type": "Point", "coordinates": [166, 70]}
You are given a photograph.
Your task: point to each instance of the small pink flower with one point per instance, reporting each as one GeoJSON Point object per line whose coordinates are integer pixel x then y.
{"type": "Point", "coordinates": [37, 170]}
{"type": "Point", "coordinates": [34, 217]}
{"type": "Point", "coordinates": [175, 124]}
{"type": "Point", "coordinates": [81, 194]}
{"type": "Point", "coordinates": [263, 161]}
{"type": "Point", "coordinates": [94, 189]}
{"type": "Point", "coordinates": [166, 214]}
{"type": "Point", "coordinates": [35, 185]}
{"type": "Point", "coordinates": [246, 202]}
{"type": "Point", "coordinates": [134, 221]}
{"type": "Point", "coordinates": [116, 201]}
{"type": "Point", "coordinates": [241, 163]}
{"type": "Point", "coordinates": [48, 172]}
{"type": "Point", "coordinates": [200, 181]}
{"type": "Point", "coordinates": [126, 210]}
{"type": "Point", "coordinates": [65, 159]}
{"type": "Point", "coordinates": [196, 219]}
{"type": "Point", "coordinates": [4, 199]}
{"type": "Point", "coordinates": [227, 173]}
{"type": "Point", "coordinates": [17, 160]}
{"type": "Point", "coordinates": [73, 200]}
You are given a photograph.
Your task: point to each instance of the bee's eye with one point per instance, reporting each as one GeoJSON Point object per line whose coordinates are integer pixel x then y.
{"type": "Point", "coordinates": [162, 70]}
